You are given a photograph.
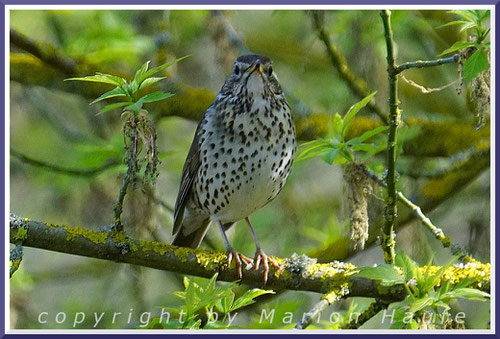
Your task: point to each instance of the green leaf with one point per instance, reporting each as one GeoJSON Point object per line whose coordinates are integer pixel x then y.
{"type": "Point", "coordinates": [467, 15]}
{"type": "Point", "coordinates": [101, 78]}
{"type": "Point", "coordinates": [313, 149]}
{"type": "Point", "coordinates": [353, 111]}
{"type": "Point", "coordinates": [150, 81]}
{"type": "Point", "coordinates": [456, 46]}
{"type": "Point", "coordinates": [457, 22]}
{"type": "Point", "coordinates": [368, 134]}
{"type": "Point", "coordinates": [431, 281]}
{"type": "Point", "coordinates": [475, 64]}
{"type": "Point", "coordinates": [335, 126]}
{"type": "Point", "coordinates": [408, 266]}
{"type": "Point", "coordinates": [385, 273]}
{"type": "Point", "coordinates": [196, 325]}
{"type": "Point", "coordinates": [421, 304]}
{"type": "Point", "coordinates": [224, 304]}
{"type": "Point", "coordinates": [152, 97]}
{"type": "Point", "coordinates": [156, 96]}
{"type": "Point", "coordinates": [248, 296]}
{"type": "Point", "coordinates": [413, 325]}
{"type": "Point", "coordinates": [329, 157]}
{"type": "Point", "coordinates": [116, 92]}
{"type": "Point", "coordinates": [110, 107]}
{"type": "Point", "coordinates": [465, 283]}
{"type": "Point", "coordinates": [118, 80]}
{"type": "Point", "coordinates": [143, 76]}
{"type": "Point", "coordinates": [364, 147]}
{"type": "Point", "coordinates": [467, 293]}
{"type": "Point", "coordinates": [141, 71]}
{"type": "Point", "coordinates": [467, 26]}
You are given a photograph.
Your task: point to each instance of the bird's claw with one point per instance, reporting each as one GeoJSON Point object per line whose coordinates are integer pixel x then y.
{"type": "Point", "coordinates": [239, 259]}
{"type": "Point", "coordinates": [261, 257]}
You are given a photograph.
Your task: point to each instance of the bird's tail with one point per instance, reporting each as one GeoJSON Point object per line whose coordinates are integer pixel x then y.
{"type": "Point", "coordinates": [192, 239]}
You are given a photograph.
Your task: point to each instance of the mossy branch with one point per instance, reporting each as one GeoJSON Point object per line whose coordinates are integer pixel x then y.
{"type": "Point", "coordinates": [46, 52]}
{"type": "Point", "coordinates": [191, 102]}
{"type": "Point", "coordinates": [356, 84]}
{"type": "Point", "coordinates": [299, 272]}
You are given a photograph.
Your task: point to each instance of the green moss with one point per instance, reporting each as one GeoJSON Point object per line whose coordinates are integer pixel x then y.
{"type": "Point", "coordinates": [212, 260]}
{"type": "Point", "coordinates": [120, 237]}
{"type": "Point", "coordinates": [94, 236]}
{"type": "Point", "coordinates": [156, 246]}
{"type": "Point", "coordinates": [313, 126]}
{"type": "Point", "coordinates": [191, 101]}
{"type": "Point", "coordinates": [21, 234]}
{"type": "Point", "coordinates": [72, 232]}
{"type": "Point", "coordinates": [182, 253]}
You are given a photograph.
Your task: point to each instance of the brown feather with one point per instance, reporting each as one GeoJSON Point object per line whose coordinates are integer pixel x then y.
{"type": "Point", "coordinates": [189, 172]}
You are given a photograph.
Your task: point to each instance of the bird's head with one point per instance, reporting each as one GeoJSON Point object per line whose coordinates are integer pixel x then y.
{"type": "Point", "coordinates": [253, 73]}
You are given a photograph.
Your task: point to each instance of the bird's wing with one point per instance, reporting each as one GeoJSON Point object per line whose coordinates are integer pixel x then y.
{"type": "Point", "coordinates": [189, 172]}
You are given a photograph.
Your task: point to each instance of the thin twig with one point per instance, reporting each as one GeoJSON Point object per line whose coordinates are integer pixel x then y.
{"type": "Point", "coordinates": [417, 211]}
{"type": "Point", "coordinates": [430, 63]}
{"type": "Point", "coordinates": [64, 170]}
{"type": "Point", "coordinates": [388, 242]}
{"type": "Point", "coordinates": [308, 317]}
{"type": "Point", "coordinates": [426, 90]}
{"type": "Point", "coordinates": [339, 62]}
{"type": "Point", "coordinates": [118, 206]}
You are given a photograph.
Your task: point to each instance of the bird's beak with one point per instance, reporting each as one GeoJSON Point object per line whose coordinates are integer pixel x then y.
{"type": "Point", "coordinates": [256, 66]}
{"type": "Point", "coordinates": [259, 67]}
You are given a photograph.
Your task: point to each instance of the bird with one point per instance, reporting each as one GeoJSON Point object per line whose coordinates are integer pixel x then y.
{"type": "Point", "coordinates": [240, 157]}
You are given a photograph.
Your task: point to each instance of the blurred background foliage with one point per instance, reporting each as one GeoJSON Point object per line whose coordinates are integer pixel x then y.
{"type": "Point", "coordinates": [309, 216]}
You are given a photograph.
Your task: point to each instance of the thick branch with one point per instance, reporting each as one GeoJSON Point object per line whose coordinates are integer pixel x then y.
{"type": "Point", "coordinates": [388, 242]}
{"type": "Point", "coordinates": [299, 272]}
{"type": "Point", "coordinates": [45, 52]}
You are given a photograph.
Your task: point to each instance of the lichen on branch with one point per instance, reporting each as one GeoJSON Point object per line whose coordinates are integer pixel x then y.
{"type": "Point", "coordinates": [299, 272]}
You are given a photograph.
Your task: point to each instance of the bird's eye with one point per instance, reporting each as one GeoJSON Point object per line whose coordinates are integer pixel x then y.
{"type": "Point", "coordinates": [236, 70]}
{"type": "Point", "coordinates": [270, 71]}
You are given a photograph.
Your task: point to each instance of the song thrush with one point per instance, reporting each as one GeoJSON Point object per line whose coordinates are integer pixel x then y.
{"type": "Point", "coordinates": [239, 160]}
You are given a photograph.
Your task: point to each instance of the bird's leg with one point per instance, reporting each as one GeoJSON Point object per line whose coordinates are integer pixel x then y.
{"type": "Point", "coordinates": [232, 254]}
{"type": "Point", "coordinates": [260, 256]}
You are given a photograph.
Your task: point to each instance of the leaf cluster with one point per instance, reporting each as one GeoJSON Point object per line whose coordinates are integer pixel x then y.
{"type": "Point", "coordinates": [335, 148]}
{"type": "Point", "coordinates": [472, 22]}
{"type": "Point", "coordinates": [205, 296]}
{"type": "Point", "coordinates": [129, 91]}
{"type": "Point", "coordinates": [424, 291]}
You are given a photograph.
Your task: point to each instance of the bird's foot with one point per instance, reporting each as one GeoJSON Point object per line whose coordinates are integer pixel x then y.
{"type": "Point", "coordinates": [239, 259]}
{"type": "Point", "coordinates": [261, 257]}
